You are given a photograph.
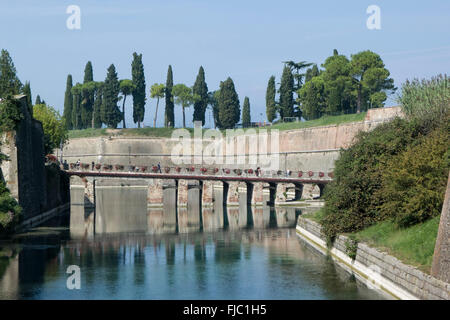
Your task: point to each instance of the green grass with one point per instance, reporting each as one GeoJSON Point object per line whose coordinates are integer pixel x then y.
{"type": "Point", "coordinates": [324, 121]}
{"type": "Point", "coordinates": [315, 216]}
{"type": "Point", "coordinates": [413, 245]}
{"type": "Point", "coordinates": [167, 132]}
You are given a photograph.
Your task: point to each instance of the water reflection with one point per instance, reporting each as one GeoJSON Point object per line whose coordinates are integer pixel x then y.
{"type": "Point", "coordinates": [244, 264]}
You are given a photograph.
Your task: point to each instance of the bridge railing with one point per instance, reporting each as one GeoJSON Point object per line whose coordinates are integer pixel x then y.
{"type": "Point", "coordinates": [196, 170]}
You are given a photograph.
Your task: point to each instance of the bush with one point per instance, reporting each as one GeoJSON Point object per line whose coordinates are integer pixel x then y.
{"type": "Point", "coordinates": [352, 198]}
{"type": "Point", "coordinates": [414, 181]}
{"type": "Point", "coordinates": [10, 114]}
{"type": "Point", "coordinates": [426, 100]}
{"type": "Point", "coordinates": [9, 210]}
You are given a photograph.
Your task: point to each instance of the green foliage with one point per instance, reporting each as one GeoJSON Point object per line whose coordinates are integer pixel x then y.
{"type": "Point", "coordinates": [426, 100]}
{"type": "Point", "coordinates": [169, 116]}
{"type": "Point", "coordinates": [138, 77]}
{"type": "Point", "coordinates": [76, 106]}
{"type": "Point", "coordinates": [414, 181]}
{"type": "Point", "coordinates": [97, 108]}
{"type": "Point", "coordinates": [68, 103]}
{"type": "Point", "coordinates": [126, 88]}
{"type": "Point", "coordinates": [351, 246]}
{"type": "Point", "coordinates": [10, 113]}
{"type": "Point", "coordinates": [38, 100]}
{"type": "Point", "coordinates": [351, 202]}
{"type": "Point", "coordinates": [201, 90]}
{"type": "Point", "coordinates": [158, 91]}
{"type": "Point", "coordinates": [286, 104]}
{"type": "Point", "coordinates": [9, 210]}
{"type": "Point", "coordinates": [370, 77]}
{"type": "Point", "coordinates": [213, 101]}
{"type": "Point", "coordinates": [184, 96]}
{"type": "Point", "coordinates": [271, 107]}
{"type": "Point", "coordinates": [55, 131]}
{"type": "Point", "coordinates": [9, 82]}
{"type": "Point", "coordinates": [413, 245]}
{"type": "Point", "coordinates": [87, 96]}
{"type": "Point", "coordinates": [26, 90]}
{"type": "Point", "coordinates": [110, 113]}
{"type": "Point", "coordinates": [228, 104]}
{"type": "Point", "coordinates": [311, 73]}
{"type": "Point", "coordinates": [246, 120]}
{"type": "Point", "coordinates": [312, 95]}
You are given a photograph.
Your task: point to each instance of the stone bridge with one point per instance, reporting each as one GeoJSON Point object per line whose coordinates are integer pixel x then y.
{"type": "Point", "coordinates": [118, 201]}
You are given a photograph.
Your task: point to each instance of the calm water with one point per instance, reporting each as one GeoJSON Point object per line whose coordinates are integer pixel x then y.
{"type": "Point", "coordinates": [248, 264]}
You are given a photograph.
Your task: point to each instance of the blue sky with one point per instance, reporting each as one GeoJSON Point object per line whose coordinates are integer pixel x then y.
{"type": "Point", "coordinates": [246, 40]}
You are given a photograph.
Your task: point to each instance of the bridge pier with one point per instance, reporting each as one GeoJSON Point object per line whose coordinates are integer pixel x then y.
{"type": "Point", "coordinates": [311, 191]}
{"type": "Point", "coordinates": [82, 207]}
{"type": "Point", "coordinates": [162, 212]}
{"type": "Point", "coordinates": [189, 205]}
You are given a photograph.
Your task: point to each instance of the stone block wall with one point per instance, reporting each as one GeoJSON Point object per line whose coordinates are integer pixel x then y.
{"type": "Point", "coordinates": [419, 284]}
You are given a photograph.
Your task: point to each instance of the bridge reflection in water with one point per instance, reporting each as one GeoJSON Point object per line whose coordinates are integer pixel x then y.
{"type": "Point", "coordinates": [154, 206]}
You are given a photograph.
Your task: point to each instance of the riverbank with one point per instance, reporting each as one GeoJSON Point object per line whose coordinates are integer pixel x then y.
{"type": "Point", "coordinates": [375, 268]}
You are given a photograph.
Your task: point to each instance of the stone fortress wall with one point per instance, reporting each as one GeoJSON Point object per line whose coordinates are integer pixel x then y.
{"type": "Point", "coordinates": [313, 149]}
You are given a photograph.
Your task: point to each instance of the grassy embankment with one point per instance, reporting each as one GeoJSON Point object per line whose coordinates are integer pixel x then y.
{"type": "Point", "coordinates": [413, 245]}
{"type": "Point", "coordinates": [389, 186]}
{"type": "Point", "coordinates": [167, 132]}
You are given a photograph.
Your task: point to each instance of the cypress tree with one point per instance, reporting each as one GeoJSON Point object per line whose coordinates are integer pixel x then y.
{"type": "Point", "coordinates": [110, 113]}
{"type": "Point", "coordinates": [286, 94]}
{"type": "Point", "coordinates": [246, 120]}
{"type": "Point", "coordinates": [38, 100]}
{"type": "Point", "coordinates": [97, 105]}
{"type": "Point", "coordinates": [201, 90]}
{"type": "Point", "coordinates": [9, 82]}
{"type": "Point", "coordinates": [138, 78]}
{"type": "Point", "coordinates": [27, 91]}
{"type": "Point", "coordinates": [169, 117]}
{"type": "Point", "coordinates": [76, 107]}
{"type": "Point", "coordinates": [271, 107]}
{"type": "Point", "coordinates": [87, 97]}
{"type": "Point", "coordinates": [229, 107]}
{"type": "Point", "coordinates": [68, 103]}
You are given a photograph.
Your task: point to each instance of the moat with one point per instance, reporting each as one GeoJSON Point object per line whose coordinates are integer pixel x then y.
{"type": "Point", "coordinates": [247, 263]}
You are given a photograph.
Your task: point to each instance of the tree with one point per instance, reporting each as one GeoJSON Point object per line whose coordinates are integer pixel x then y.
{"type": "Point", "coordinates": [370, 78]}
{"type": "Point", "coordinates": [184, 96]}
{"type": "Point", "coordinates": [311, 73]}
{"type": "Point", "coordinates": [26, 90]}
{"type": "Point", "coordinates": [312, 98]}
{"type": "Point", "coordinates": [286, 94]}
{"type": "Point", "coordinates": [138, 78]}
{"type": "Point", "coordinates": [87, 96]}
{"type": "Point", "coordinates": [157, 91]}
{"type": "Point", "coordinates": [200, 89]}
{"type": "Point", "coordinates": [338, 85]}
{"type": "Point", "coordinates": [38, 100]}
{"type": "Point", "coordinates": [55, 131]}
{"type": "Point", "coordinates": [9, 82]}
{"type": "Point", "coordinates": [11, 114]}
{"type": "Point", "coordinates": [76, 107]}
{"type": "Point", "coordinates": [271, 106]}
{"type": "Point", "coordinates": [126, 88]}
{"type": "Point", "coordinates": [110, 113]}
{"type": "Point", "coordinates": [169, 117]}
{"type": "Point", "coordinates": [228, 104]}
{"type": "Point", "coordinates": [295, 68]}
{"type": "Point", "coordinates": [246, 120]}
{"type": "Point", "coordinates": [68, 103]}
{"type": "Point", "coordinates": [97, 116]}
{"type": "Point", "coordinates": [213, 101]}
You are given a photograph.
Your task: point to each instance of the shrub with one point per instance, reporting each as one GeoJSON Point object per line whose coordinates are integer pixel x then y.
{"type": "Point", "coordinates": [351, 202]}
{"type": "Point", "coordinates": [414, 181]}
{"type": "Point", "coordinates": [426, 100]}
{"type": "Point", "coordinates": [9, 210]}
